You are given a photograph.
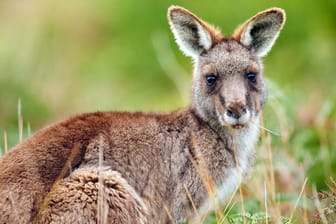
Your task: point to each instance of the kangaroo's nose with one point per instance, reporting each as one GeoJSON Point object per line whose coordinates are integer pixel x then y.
{"type": "Point", "coordinates": [236, 111]}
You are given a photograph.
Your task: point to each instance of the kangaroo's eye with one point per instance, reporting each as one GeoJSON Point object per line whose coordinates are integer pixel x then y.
{"type": "Point", "coordinates": [211, 79]}
{"type": "Point", "coordinates": [252, 77]}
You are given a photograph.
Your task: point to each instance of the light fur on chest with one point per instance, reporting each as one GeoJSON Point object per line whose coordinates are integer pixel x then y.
{"type": "Point", "coordinates": [244, 147]}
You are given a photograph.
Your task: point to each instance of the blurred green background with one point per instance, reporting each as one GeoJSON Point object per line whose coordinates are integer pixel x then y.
{"type": "Point", "coordinates": [62, 58]}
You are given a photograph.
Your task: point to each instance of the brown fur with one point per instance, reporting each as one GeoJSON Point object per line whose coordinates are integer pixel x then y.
{"type": "Point", "coordinates": [81, 192]}
{"type": "Point", "coordinates": [121, 167]}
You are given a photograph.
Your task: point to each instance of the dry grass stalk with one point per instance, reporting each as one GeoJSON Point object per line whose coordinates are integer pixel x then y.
{"type": "Point", "coordinates": [206, 177]}
{"type": "Point", "coordinates": [20, 121]}
{"type": "Point", "coordinates": [318, 206]}
{"type": "Point", "coordinates": [102, 206]}
{"type": "Point", "coordinates": [67, 166]}
{"type": "Point", "coordinates": [5, 142]}
{"type": "Point", "coordinates": [171, 219]}
{"type": "Point", "coordinates": [298, 200]}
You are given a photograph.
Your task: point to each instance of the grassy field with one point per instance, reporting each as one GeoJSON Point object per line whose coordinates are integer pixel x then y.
{"type": "Point", "coordinates": [60, 58]}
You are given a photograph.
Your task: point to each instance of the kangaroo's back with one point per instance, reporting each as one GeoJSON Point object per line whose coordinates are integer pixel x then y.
{"type": "Point", "coordinates": [120, 167]}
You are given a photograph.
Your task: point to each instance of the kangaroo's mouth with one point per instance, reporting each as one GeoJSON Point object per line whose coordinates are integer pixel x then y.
{"type": "Point", "coordinates": [234, 122]}
{"type": "Point", "coordinates": [238, 126]}
{"type": "Point", "coordinates": [235, 116]}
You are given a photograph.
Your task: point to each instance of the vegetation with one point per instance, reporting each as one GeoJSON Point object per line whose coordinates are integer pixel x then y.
{"type": "Point", "coordinates": [62, 57]}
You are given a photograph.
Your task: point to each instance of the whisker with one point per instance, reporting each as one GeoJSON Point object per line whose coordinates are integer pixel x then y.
{"type": "Point", "coordinates": [269, 131]}
{"type": "Point", "coordinates": [266, 129]}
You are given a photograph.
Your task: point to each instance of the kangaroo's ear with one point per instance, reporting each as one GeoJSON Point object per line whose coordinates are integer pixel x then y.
{"type": "Point", "coordinates": [260, 32]}
{"type": "Point", "coordinates": [191, 33]}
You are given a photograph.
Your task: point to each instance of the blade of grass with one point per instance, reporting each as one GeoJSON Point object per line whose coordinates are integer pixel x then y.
{"type": "Point", "coordinates": [20, 120]}
{"type": "Point", "coordinates": [227, 211]}
{"type": "Point", "coordinates": [298, 200]}
{"type": "Point", "coordinates": [318, 206]}
{"type": "Point", "coordinates": [102, 207]}
{"type": "Point", "coordinates": [265, 201]}
{"type": "Point", "coordinates": [28, 129]}
{"type": "Point", "coordinates": [191, 200]}
{"type": "Point", "coordinates": [171, 219]}
{"type": "Point", "coordinates": [74, 151]}
{"type": "Point", "coordinates": [5, 142]}
{"type": "Point", "coordinates": [206, 177]}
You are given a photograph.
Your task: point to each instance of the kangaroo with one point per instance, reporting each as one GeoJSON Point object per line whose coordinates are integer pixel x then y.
{"type": "Point", "coordinates": [134, 167]}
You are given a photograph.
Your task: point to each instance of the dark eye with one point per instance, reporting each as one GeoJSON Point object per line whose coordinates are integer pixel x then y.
{"type": "Point", "coordinates": [252, 77]}
{"type": "Point", "coordinates": [211, 79]}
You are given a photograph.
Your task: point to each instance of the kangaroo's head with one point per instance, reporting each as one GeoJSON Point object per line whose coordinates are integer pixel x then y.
{"type": "Point", "coordinates": [228, 87]}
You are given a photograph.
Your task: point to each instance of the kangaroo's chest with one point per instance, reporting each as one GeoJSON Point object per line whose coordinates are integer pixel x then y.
{"type": "Point", "coordinates": [243, 145]}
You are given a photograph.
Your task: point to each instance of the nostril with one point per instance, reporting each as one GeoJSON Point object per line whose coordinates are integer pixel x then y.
{"type": "Point", "coordinates": [236, 112]}
{"type": "Point", "coordinates": [229, 112]}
